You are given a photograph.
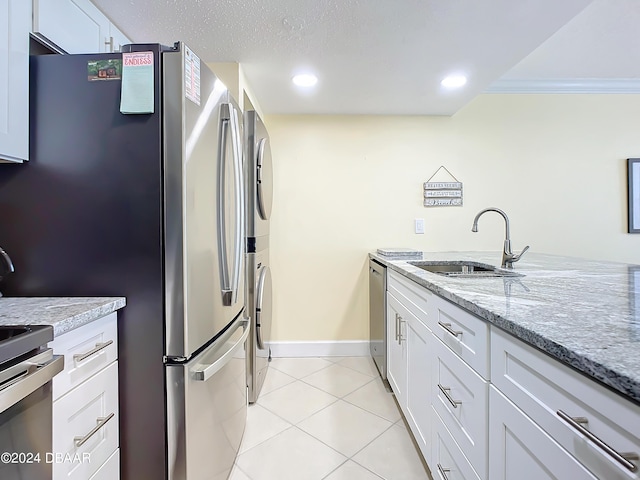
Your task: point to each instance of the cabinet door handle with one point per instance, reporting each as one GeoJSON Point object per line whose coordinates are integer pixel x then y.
{"type": "Point", "coordinates": [443, 472]}
{"type": "Point", "coordinates": [447, 327]}
{"type": "Point", "coordinates": [445, 391]}
{"type": "Point", "coordinates": [99, 346]}
{"type": "Point", "coordinates": [109, 43]}
{"type": "Point", "coordinates": [400, 338]}
{"type": "Point", "coordinates": [397, 317]}
{"type": "Point", "coordinates": [622, 458]}
{"type": "Point", "coordinates": [101, 421]}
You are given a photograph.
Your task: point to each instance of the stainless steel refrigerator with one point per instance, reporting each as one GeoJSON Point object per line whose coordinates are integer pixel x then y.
{"type": "Point", "coordinates": [149, 206]}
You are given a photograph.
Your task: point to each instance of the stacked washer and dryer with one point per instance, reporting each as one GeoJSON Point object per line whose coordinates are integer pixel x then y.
{"type": "Point", "coordinates": [259, 194]}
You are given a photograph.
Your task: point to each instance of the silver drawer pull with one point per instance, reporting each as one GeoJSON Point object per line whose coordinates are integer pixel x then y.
{"type": "Point", "coordinates": [443, 472]}
{"type": "Point", "coordinates": [79, 441]}
{"type": "Point", "coordinates": [445, 391]}
{"type": "Point", "coordinates": [447, 327]}
{"type": "Point", "coordinates": [622, 458]}
{"type": "Point", "coordinates": [99, 346]}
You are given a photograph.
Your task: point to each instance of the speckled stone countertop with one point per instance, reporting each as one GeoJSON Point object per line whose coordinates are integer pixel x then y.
{"type": "Point", "coordinates": [584, 313]}
{"type": "Point", "coordinates": [64, 313]}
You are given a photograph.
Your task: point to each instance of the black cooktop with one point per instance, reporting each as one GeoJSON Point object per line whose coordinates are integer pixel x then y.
{"type": "Point", "coordinates": [16, 340]}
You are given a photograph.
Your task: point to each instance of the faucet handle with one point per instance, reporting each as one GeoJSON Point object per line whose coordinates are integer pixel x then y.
{"type": "Point", "coordinates": [517, 257]}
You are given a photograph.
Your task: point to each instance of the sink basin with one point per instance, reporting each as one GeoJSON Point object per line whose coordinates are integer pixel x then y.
{"type": "Point", "coordinates": [464, 269]}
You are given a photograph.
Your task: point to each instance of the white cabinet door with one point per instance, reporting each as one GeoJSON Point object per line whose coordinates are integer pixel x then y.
{"type": "Point", "coordinates": [85, 426]}
{"type": "Point", "coordinates": [418, 387]}
{"type": "Point", "coordinates": [76, 26]}
{"type": "Point", "coordinates": [396, 349]}
{"type": "Point", "coordinates": [15, 24]}
{"type": "Point", "coordinates": [520, 450]}
{"type": "Point", "coordinates": [116, 39]}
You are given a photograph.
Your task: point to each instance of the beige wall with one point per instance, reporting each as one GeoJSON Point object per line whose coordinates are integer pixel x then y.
{"type": "Point", "coordinates": [345, 185]}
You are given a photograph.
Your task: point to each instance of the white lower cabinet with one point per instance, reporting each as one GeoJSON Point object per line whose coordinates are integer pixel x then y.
{"type": "Point", "coordinates": [483, 405]}
{"type": "Point", "coordinates": [396, 349]}
{"type": "Point", "coordinates": [110, 469]}
{"type": "Point", "coordinates": [592, 424]}
{"type": "Point", "coordinates": [418, 387]}
{"type": "Point", "coordinates": [409, 351]}
{"type": "Point", "coordinates": [460, 397]}
{"type": "Point", "coordinates": [85, 403]}
{"type": "Point", "coordinates": [447, 460]}
{"type": "Point", "coordinates": [521, 450]}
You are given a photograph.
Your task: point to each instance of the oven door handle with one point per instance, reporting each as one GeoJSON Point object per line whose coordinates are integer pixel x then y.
{"type": "Point", "coordinates": [39, 376]}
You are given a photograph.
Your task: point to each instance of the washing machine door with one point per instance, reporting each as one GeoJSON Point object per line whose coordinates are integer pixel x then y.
{"type": "Point", "coordinates": [263, 308]}
{"type": "Point", "coordinates": [264, 178]}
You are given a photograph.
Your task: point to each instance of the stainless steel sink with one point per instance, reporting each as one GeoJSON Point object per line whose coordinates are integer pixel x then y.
{"type": "Point", "coordinates": [464, 269]}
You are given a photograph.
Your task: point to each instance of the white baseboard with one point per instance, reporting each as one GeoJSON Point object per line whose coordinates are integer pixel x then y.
{"type": "Point", "coordinates": [343, 348]}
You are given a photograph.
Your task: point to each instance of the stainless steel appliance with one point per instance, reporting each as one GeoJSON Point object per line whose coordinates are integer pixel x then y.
{"type": "Point", "coordinates": [149, 206]}
{"type": "Point", "coordinates": [377, 316]}
{"type": "Point", "coordinates": [259, 291]}
{"type": "Point", "coordinates": [26, 370]}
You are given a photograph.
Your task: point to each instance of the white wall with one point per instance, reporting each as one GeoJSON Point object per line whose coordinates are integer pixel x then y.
{"type": "Point", "coordinates": [345, 185]}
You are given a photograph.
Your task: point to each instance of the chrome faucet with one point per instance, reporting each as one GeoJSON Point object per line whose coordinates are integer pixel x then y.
{"type": "Point", "coordinates": [508, 257]}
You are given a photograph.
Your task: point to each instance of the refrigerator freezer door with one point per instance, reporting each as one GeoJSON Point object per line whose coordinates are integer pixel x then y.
{"type": "Point", "coordinates": [204, 208]}
{"type": "Point", "coordinates": [207, 408]}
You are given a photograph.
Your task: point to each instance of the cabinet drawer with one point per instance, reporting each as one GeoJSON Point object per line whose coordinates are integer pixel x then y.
{"type": "Point", "coordinates": [79, 413]}
{"type": "Point", "coordinates": [520, 450]}
{"type": "Point", "coordinates": [414, 297]}
{"type": "Point", "coordinates": [97, 342]}
{"type": "Point", "coordinates": [449, 463]}
{"type": "Point", "coordinates": [542, 387]}
{"type": "Point", "coordinates": [464, 333]}
{"type": "Point", "coordinates": [110, 470]}
{"type": "Point", "coordinates": [460, 397]}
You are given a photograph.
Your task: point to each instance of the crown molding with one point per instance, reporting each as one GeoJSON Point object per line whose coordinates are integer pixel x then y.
{"type": "Point", "coordinates": [567, 85]}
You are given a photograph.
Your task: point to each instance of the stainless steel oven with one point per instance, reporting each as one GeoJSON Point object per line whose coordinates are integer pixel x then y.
{"type": "Point", "coordinates": [26, 371]}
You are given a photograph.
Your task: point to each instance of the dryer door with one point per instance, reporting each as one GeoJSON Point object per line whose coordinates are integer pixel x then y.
{"type": "Point", "coordinates": [263, 308]}
{"type": "Point", "coordinates": [264, 179]}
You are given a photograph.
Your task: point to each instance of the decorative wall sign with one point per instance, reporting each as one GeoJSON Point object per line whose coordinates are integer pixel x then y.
{"type": "Point", "coordinates": [633, 192]}
{"type": "Point", "coordinates": [442, 194]}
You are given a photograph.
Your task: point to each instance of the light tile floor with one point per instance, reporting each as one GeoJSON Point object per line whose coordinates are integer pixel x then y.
{"type": "Point", "coordinates": [326, 419]}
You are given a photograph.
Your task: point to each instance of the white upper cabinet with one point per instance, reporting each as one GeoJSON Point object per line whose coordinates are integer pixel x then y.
{"type": "Point", "coordinates": [75, 26]}
{"type": "Point", "coordinates": [116, 39]}
{"type": "Point", "coordinates": [15, 24]}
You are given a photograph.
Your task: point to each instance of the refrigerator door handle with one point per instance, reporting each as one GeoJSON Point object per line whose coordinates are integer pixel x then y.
{"type": "Point", "coordinates": [204, 374]}
{"type": "Point", "coordinates": [239, 190]}
{"type": "Point", "coordinates": [222, 227]}
{"type": "Point", "coordinates": [229, 123]}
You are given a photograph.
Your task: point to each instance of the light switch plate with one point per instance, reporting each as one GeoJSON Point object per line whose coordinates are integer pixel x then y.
{"type": "Point", "coordinates": [419, 224]}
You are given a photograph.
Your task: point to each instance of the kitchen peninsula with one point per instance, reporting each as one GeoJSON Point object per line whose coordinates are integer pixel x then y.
{"type": "Point", "coordinates": [565, 375]}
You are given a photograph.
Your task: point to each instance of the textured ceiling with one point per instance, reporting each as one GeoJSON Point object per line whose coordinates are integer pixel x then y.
{"type": "Point", "coordinates": [379, 56]}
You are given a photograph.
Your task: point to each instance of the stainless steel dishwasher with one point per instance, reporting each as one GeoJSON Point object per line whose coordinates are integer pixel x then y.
{"type": "Point", "coordinates": [377, 316]}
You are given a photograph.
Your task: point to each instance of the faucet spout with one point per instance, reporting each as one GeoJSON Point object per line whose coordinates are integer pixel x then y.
{"type": "Point", "coordinates": [508, 257]}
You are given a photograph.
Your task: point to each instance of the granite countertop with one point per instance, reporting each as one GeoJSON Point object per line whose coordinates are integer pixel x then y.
{"type": "Point", "coordinates": [584, 313]}
{"type": "Point", "coordinates": [64, 313]}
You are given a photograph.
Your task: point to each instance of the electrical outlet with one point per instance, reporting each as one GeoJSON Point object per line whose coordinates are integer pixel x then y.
{"type": "Point", "coordinates": [419, 223]}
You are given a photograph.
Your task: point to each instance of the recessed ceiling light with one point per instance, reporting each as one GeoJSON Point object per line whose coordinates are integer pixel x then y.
{"type": "Point", "coordinates": [305, 80]}
{"type": "Point", "coordinates": [454, 81]}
